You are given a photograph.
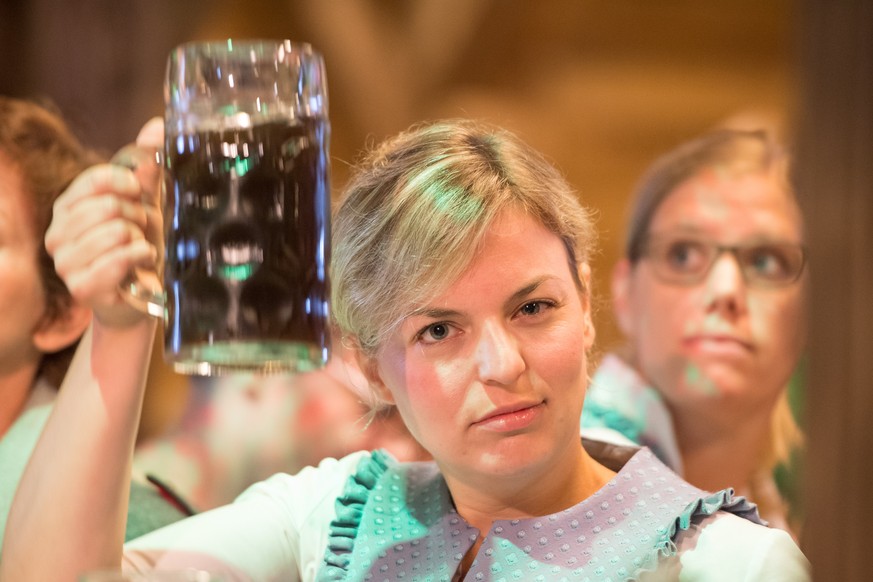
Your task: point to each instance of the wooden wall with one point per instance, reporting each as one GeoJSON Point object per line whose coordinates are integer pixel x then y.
{"type": "Point", "coordinates": [835, 176]}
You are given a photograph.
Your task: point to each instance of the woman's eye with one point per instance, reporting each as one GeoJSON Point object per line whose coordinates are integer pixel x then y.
{"type": "Point", "coordinates": [685, 256]}
{"type": "Point", "coordinates": [769, 263]}
{"type": "Point", "coordinates": [435, 332]}
{"type": "Point", "coordinates": [532, 308]}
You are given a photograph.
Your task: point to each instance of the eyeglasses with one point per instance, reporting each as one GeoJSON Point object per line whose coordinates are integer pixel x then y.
{"type": "Point", "coordinates": [685, 260]}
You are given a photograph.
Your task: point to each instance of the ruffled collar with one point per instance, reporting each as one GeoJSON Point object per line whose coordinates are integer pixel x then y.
{"type": "Point", "coordinates": [396, 521]}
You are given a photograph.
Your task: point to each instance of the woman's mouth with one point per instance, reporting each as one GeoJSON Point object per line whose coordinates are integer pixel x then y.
{"type": "Point", "coordinates": [718, 345]}
{"type": "Point", "coordinates": [511, 418]}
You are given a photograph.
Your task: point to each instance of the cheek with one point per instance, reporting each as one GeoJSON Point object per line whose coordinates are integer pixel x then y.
{"type": "Point", "coordinates": [658, 320]}
{"type": "Point", "coordinates": [22, 296]}
{"type": "Point", "coordinates": [426, 391]}
{"type": "Point", "coordinates": [778, 324]}
{"type": "Point", "coordinates": [559, 361]}
{"type": "Point", "coordinates": [661, 320]}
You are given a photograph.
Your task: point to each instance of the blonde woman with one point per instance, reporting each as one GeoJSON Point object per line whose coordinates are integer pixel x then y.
{"type": "Point", "coordinates": [460, 278]}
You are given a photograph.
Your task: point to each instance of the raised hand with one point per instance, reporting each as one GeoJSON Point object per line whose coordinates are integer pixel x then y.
{"type": "Point", "coordinates": [107, 223]}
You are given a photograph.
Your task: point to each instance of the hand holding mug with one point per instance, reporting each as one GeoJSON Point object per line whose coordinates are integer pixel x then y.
{"type": "Point", "coordinates": [143, 287]}
{"type": "Point", "coordinates": [101, 230]}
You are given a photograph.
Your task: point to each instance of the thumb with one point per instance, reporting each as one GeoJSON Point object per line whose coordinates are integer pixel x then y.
{"type": "Point", "coordinates": [152, 134]}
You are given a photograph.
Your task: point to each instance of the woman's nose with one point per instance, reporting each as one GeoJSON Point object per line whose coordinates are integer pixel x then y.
{"type": "Point", "coordinates": [499, 355]}
{"type": "Point", "coordinates": [726, 285]}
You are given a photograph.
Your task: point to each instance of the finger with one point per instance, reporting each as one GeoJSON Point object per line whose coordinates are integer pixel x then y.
{"type": "Point", "coordinates": [71, 224]}
{"type": "Point", "coordinates": [152, 133]}
{"type": "Point", "coordinates": [99, 209]}
{"type": "Point", "coordinates": [134, 156]}
{"type": "Point", "coordinates": [111, 235]}
{"type": "Point", "coordinates": [94, 182]}
{"type": "Point", "coordinates": [144, 162]}
{"type": "Point", "coordinates": [96, 283]}
{"type": "Point", "coordinates": [102, 240]}
{"type": "Point", "coordinates": [117, 264]}
{"type": "Point", "coordinates": [100, 179]}
{"type": "Point", "coordinates": [105, 208]}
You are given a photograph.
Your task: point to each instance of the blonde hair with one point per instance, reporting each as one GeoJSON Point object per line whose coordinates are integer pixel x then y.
{"type": "Point", "coordinates": [417, 209]}
{"type": "Point", "coordinates": [735, 152]}
{"type": "Point", "coordinates": [785, 435]}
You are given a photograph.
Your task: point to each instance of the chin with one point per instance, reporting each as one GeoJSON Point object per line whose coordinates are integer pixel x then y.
{"type": "Point", "coordinates": [517, 456]}
{"type": "Point", "coordinates": [715, 377]}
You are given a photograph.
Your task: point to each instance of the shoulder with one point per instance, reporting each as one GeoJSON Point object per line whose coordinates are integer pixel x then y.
{"type": "Point", "coordinates": [276, 529]}
{"type": "Point", "coordinates": [322, 482]}
{"type": "Point", "coordinates": [726, 547]}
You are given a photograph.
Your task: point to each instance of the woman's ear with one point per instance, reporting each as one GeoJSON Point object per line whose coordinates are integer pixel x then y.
{"type": "Point", "coordinates": [589, 333]}
{"type": "Point", "coordinates": [621, 305]}
{"type": "Point", "coordinates": [369, 367]}
{"type": "Point", "coordinates": [53, 335]}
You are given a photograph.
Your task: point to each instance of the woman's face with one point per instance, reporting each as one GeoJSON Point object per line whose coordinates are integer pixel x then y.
{"type": "Point", "coordinates": [721, 339]}
{"type": "Point", "coordinates": [490, 375]}
{"type": "Point", "coordinates": [22, 298]}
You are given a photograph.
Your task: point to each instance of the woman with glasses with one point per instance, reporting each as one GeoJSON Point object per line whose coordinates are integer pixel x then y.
{"type": "Point", "coordinates": [710, 296]}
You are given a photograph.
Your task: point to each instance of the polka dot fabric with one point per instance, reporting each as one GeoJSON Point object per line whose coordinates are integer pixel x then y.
{"type": "Point", "coordinates": [409, 530]}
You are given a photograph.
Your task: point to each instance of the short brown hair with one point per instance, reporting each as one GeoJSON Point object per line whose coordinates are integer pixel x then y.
{"type": "Point", "coordinates": [40, 145]}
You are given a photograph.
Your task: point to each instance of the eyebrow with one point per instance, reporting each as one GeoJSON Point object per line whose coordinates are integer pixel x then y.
{"type": "Point", "coordinates": [437, 313]}
{"type": "Point", "coordinates": [527, 290]}
{"type": "Point", "coordinates": [681, 229]}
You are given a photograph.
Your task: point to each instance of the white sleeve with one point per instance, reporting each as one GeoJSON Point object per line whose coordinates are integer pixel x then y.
{"type": "Point", "coordinates": [728, 548]}
{"type": "Point", "coordinates": [275, 530]}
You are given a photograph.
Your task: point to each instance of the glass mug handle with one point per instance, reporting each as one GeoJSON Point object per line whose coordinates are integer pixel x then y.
{"type": "Point", "coordinates": [142, 288]}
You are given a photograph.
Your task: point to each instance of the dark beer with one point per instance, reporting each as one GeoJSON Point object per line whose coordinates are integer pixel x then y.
{"type": "Point", "coordinates": [248, 236]}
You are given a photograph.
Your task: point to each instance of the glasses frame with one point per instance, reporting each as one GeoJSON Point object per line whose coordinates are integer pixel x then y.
{"type": "Point", "coordinates": [660, 269]}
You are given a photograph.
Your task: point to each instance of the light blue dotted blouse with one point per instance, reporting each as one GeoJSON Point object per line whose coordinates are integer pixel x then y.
{"type": "Point", "coordinates": [396, 522]}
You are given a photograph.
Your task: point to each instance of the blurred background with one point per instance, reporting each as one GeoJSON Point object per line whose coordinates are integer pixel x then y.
{"type": "Point", "coordinates": [600, 87]}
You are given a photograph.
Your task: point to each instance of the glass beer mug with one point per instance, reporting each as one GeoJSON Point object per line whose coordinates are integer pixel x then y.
{"type": "Point", "coordinates": [246, 210]}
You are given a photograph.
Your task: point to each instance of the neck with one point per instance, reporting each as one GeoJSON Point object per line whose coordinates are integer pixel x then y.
{"type": "Point", "coordinates": [15, 388]}
{"type": "Point", "coordinates": [719, 453]}
{"type": "Point", "coordinates": [565, 483]}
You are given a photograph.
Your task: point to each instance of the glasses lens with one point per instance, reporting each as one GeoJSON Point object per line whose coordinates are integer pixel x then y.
{"type": "Point", "coordinates": [772, 264]}
{"type": "Point", "coordinates": [680, 260]}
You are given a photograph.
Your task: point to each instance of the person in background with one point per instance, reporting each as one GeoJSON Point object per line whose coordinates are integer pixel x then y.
{"type": "Point", "coordinates": [461, 282]}
{"type": "Point", "coordinates": [40, 323]}
{"type": "Point", "coordinates": [710, 296]}
{"type": "Point", "coordinates": [242, 428]}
